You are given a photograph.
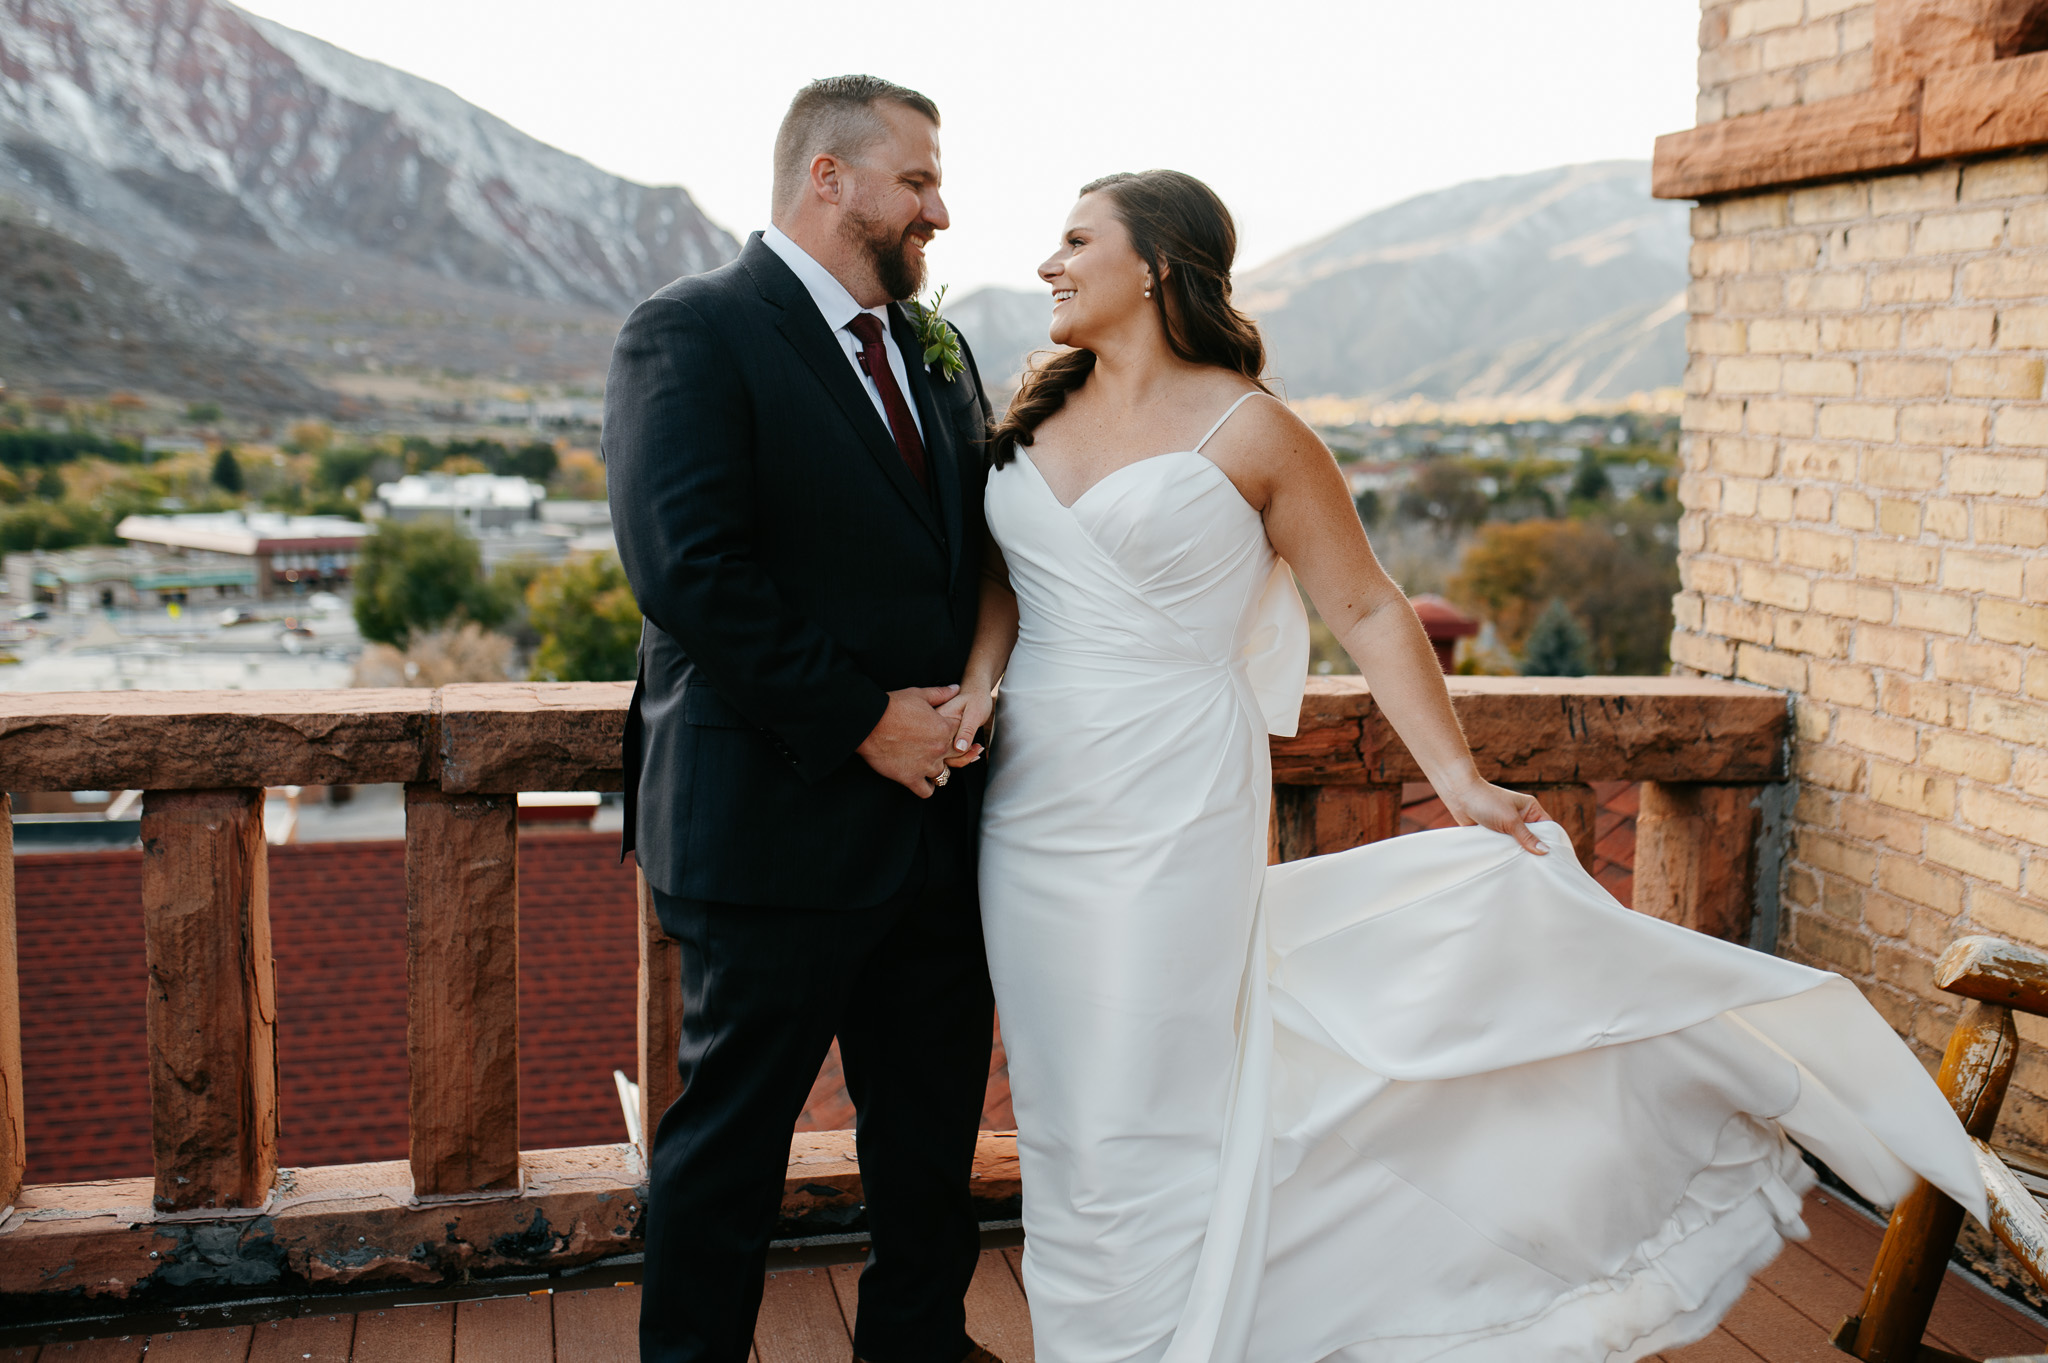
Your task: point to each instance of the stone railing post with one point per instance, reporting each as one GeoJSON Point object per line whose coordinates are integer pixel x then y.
{"type": "Point", "coordinates": [206, 757]}
{"type": "Point", "coordinates": [1573, 806]}
{"type": "Point", "coordinates": [462, 989]}
{"type": "Point", "coordinates": [212, 1005]}
{"type": "Point", "coordinates": [13, 1130]}
{"type": "Point", "coordinates": [1696, 855]}
{"type": "Point", "coordinates": [661, 1018]}
{"type": "Point", "coordinates": [1309, 821]}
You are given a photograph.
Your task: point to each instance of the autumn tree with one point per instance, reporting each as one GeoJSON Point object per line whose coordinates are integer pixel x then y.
{"type": "Point", "coordinates": [1616, 573]}
{"type": "Point", "coordinates": [588, 621]}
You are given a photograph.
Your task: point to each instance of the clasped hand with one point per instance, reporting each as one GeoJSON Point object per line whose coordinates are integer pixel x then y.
{"type": "Point", "coordinates": [925, 733]}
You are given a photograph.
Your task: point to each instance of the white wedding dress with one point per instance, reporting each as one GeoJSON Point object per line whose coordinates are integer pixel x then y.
{"type": "Point", "coordinates": [1433, 1098]}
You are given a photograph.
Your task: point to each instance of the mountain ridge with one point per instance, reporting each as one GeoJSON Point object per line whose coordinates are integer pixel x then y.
{"type": "Point", "coordinates": [1563, 285]}
{"type": "Point", "coordinates": [220, 121]}
{"type": "Point", "coordinates": [347, 217]}
{"type": "Point", "coordinates": [1557, 287]}
{"type": "Point", "coordinates": [344, 216]}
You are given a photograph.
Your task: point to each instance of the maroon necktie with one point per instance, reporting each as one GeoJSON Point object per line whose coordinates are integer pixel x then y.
{"type": "Point", "coordinates": [874, 360]}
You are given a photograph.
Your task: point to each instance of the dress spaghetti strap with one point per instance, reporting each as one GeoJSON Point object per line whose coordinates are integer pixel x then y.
{"type": "Point", "coordinates": [1225, 417]}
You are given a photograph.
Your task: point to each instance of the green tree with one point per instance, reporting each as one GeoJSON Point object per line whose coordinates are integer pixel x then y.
{"type": "Point", "coordinates": [18, 448]}
{"type": "Point", "coordinates": [50, 486]}
{"type": "Point", "coordinates": [1444, 492]}
{"type": "Point", "coordinates": [227, 472]}
{"type": "Point", "coordinates": [53, 525]}
{"type": "Point", "coordinates": [1369, 508]}
{"type": "Point", "coordinates": [1522, 494]}
{"type": "Point", "coordinates": [1589, 482]}
{"type": "Point", "coordinates": [1557, 645]}
{"type": "Point", "coordinates": [588, 622]}
{"type": "Point", "coordinates": [536, 461]}
{"type": "Point", "coordinates": [337, 467]}
{"type": "Point", "coordinates": [204, 412]}
{"type": "Point", "coordinates": [418, 576]}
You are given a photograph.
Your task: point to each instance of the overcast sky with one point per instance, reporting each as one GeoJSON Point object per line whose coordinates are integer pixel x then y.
{"type": "Point", "coordinates": [1303, 114]}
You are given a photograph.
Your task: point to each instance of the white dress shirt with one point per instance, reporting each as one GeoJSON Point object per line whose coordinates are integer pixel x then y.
{"type": "Point", "coordinates": [839, 308]}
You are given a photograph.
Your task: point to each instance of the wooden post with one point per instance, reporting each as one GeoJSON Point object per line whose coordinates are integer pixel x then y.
{"type": "Point", "coordinates": [13, 1131]}
{"type": "Point", "coordinates": [1310, 821]}
{"type": "Point", "coordinates": [661, 1019]}
{"type": "Point", "coordinates": [1576, 811]}
{"type": "Point", "coordinates": [462, 989]}
{"type": "Point", "coordinates": [212, 1005]}
{"type": "Point", "coordinates": [1914, 1256]}
{"type": "Point", "coordinates": [1696, 854]}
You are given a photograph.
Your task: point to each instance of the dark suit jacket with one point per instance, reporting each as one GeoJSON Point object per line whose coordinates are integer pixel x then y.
{"type": "Point", "coordinates": [791, 571]}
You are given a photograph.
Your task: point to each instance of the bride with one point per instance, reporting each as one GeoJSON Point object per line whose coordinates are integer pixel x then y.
{"type": "Point", "coordinates": [1435, 1098]}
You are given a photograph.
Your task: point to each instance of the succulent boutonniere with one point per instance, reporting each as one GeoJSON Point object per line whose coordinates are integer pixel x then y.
{"type": "Point", "coordinates": [940, 343]}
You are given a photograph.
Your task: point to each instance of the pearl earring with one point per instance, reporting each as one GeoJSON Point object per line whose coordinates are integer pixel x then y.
{"type": "Point", "coordinates": [1148, 290]}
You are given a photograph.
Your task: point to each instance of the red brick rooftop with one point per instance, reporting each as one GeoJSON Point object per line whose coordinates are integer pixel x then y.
{"type": "Point", "coordinates": [338, 930]}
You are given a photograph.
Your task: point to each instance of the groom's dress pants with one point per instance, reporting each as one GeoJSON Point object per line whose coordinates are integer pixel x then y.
{"type": "Point", "coordinates": [904, 986]}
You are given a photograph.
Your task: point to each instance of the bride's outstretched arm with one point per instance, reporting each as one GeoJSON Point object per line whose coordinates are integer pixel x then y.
{"type": "Point", "coordinates": [995, 634]}
{"type": "Point", "coordinates": [1289, 475]}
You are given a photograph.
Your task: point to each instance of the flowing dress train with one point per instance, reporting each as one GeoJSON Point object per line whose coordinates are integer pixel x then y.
{"type": "Point", "coordinates": [1431, 1099]}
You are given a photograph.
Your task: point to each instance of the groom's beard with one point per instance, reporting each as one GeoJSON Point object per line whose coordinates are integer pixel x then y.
{"type": "Point", "coordinates": [900, 273]}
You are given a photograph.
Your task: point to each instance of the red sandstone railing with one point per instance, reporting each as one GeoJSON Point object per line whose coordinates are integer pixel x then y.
{"type": "Point", "coordinates": [220, 1217]}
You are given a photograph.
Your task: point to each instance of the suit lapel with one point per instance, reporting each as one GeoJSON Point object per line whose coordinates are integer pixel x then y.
{"type": "Point", "coordinates": [804, 328]}
{"type": "Point", "coordinates": [941, 449]}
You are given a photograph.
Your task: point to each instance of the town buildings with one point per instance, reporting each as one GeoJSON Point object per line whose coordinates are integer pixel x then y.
{"type": "Point", "coordinates": [509, 517]}
{"type": "Point", "coordinates": [474, 501]}
{"type": "Point", "coordinates": [128, 577]}
{"type": "Point", "coordinates": [286, 555]}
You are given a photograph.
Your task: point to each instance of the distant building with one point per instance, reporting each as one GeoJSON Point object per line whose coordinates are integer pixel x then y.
{"type": "Point", "coordinates": [510, 518]}
{"type": "Point", "coordinates": [1377, 476]}
{"type": "Point", "coordinates": [584, 515]}
{"type": "Point", "coordinates": [591, 522]}
{"type": "Point", "coordinates": [287, 554]}
{"type": "Point", "coordinates": [474, 501]}
{"type": "Point", "coordinates": [132, 577]}
{"type": "Point", "coordinates": [569, 412]}
{"type": "Point", "coordinates": [1629, 480]}
{"type": "Point", "coordinates": [560, 530]}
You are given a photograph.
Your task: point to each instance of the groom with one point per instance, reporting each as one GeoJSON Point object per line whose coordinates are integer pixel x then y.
{"type": "Point", "coordinates": [797, 501]}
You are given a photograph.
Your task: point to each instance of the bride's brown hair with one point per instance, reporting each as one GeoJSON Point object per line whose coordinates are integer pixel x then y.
{"type": "Point", "coordinates": [1175, 221]}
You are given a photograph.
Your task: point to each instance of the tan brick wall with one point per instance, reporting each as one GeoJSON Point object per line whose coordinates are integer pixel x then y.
{"type": "Point", "coordinates": [1866, 494]}
{"type": "Point", "coordinates": [1771, 54]}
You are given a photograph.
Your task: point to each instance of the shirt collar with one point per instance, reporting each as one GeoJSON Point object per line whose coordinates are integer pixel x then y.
{"type": "Point", "coordinates": [837, 305]}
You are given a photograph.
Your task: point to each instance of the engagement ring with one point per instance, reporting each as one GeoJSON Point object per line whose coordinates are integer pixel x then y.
{"type": "Point", "coordinates": [942, 778]}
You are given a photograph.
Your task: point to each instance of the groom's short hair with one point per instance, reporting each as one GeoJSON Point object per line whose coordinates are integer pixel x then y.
{"type": "Point", "coordinates": [835, 116]}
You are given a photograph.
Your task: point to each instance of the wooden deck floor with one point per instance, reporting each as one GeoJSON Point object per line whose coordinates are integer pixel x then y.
{"type": "Point", "coordinates": [807, 1316]}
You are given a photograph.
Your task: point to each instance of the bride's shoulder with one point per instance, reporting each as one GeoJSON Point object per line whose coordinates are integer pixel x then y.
{"type": "Point", "coordinates": [1262, 422]}
{"type": "Point", "coordinates": [1265, 447]}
